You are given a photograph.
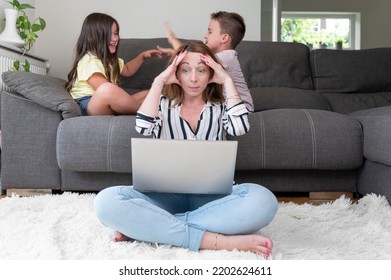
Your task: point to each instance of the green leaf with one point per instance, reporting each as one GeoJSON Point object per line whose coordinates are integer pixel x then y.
{"type": "Point", "coordinates": [16, 65]}
{"type": "Point", "coordinates": [15, 4]}
{"type": "Point", "coordinates": [25, 6]}
{"type": "Point", "coordinates": [36, 27]}
{"type": "Point", "coordinates": [26, 66]}
{"type": "Point", "coordinates": [42, 22]}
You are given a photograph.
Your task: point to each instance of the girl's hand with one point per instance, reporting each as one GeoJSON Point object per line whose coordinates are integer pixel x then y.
{"type": "Point", "coordinates": [220, 75]}
{"type": "Point", "coordinates": [166, 51]}
{"type": "Point", "coordinates": [152, 53]}
{"type": "Point", "coordinates": [168, 76]}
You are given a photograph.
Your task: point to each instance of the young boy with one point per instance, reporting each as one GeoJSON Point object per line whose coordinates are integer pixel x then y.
{"type": "Point", "coordinates": [225, 31]}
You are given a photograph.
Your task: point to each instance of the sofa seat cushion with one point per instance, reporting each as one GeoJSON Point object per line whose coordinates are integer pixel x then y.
{"type": "Point", "coordinates": [47, 91]}
{"type": "Point", "coordinates": [96, 143]}
{"type": "Point", "coordinates": [305, 139]}
{"type": "Point", "coordinates": [376, 123]}
{"type": "Point", "coordinates": [349, 103]}
{"type": "Point", "coordinates": [266, 98]}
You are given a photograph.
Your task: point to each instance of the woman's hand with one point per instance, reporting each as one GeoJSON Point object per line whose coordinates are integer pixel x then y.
{"type": "Point", "coordinates": [168, 76]}
{"type": "Point", "coordinates": [220, 75]}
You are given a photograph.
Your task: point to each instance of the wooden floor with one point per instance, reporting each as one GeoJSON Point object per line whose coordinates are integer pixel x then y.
{"type": "Point", "coordinates": [314, 198]}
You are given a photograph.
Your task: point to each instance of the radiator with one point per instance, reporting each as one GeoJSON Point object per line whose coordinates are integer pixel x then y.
{"type": "Point", "coordinates": [8, 54]}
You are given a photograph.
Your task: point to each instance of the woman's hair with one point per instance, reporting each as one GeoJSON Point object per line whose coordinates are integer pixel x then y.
{"type": "Point", "coordinates": [95, 37]}
{"type": "Point", "coordinates": [212, 93]}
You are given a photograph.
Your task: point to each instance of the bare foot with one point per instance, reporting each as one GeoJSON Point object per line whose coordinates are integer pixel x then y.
{"type": "Point", "coordinates": [255, 243]}
{"type": "Point", "coordinates": [119, 237]}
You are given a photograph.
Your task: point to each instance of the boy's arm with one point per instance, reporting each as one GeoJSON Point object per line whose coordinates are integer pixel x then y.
{"type": "Point", "coordinates": [172, 39]}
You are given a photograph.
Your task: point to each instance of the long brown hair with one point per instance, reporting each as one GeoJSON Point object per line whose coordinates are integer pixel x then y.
{"type": "Point", "coordinates": [95, 37]}
{"type": "Point", "coordinates": [212, 93]}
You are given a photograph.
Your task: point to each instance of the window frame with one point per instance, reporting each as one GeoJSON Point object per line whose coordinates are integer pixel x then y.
{"type": "Point", "coordinates": [354, 18]}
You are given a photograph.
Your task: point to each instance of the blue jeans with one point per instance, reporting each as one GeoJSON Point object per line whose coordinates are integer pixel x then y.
{"type": "Point", "coordinates": [83, 103]}
{"type": "Point", "coordinates": [182, 219]}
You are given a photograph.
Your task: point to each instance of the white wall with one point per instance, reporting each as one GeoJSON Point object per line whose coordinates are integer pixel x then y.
{"type": "Point", "coordinates": [137, 19]}
{"type": "Point", "coordinates": [189, 19]}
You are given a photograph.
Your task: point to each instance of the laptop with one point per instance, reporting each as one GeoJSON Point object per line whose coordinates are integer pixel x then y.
{"type": "Point", "coordinates": [183, 166]}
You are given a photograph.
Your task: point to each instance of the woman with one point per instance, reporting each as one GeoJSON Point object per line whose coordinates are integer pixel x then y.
{"type": "Point", "coordinates": [186, 102]}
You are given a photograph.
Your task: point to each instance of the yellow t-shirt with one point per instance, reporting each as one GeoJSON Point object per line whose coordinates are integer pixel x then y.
{"type": "Point", "coordinates": [88, 65]}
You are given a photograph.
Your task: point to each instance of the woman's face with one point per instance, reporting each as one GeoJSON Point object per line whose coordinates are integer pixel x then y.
{"type": "Point", "coordinates": [114, 38]}
{"type": "Point", "coordinates": [193, 74]}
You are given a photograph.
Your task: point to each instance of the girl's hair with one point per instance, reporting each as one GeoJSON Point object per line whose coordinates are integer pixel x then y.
{"type": "Point", "coordinates": [212, 93]}
{"type": "Point", "coordinates": [95, 37]}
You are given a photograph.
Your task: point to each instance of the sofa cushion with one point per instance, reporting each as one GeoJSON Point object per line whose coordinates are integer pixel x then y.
{"type": "Point", "coordinates": [266, 98]}
{"type": "Point", "coordinates": [275, 64]}
{"type": "Point", "coordinates": [348, 103]}
{"type": "Point", "coordinates": [300, 139]}
{"type": "Point", "coordinates": [376, 123]}
{"type": "Point", "coordinates": [351, 71]}
{"type": "Point", "coordinates": [47, 91]}
{"type": "Point", "coordinates": [143, 78]}
{"type": "Point", "coordinates": [111, 147]}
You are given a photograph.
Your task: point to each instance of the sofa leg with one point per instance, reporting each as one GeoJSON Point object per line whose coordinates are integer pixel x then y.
{"type": "Point", "coordinates": [322, 197]}
{"type": "Point", "coordinates": [28, 192]}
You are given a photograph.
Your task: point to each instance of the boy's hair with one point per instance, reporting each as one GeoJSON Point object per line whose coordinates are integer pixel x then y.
{"type": "Point", "coordinates": [213, 92]}
{"type": "Point", "coordinates": [94, 38]}
{"type": "Point", "coordinates": [232, 24]}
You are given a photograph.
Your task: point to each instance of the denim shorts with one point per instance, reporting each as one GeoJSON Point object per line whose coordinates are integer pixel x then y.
{"type": "Point", "coordinates": [83, 102]}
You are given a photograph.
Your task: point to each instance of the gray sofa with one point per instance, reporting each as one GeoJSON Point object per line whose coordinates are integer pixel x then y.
{"type": "Point", "coordinates": [322, 123]}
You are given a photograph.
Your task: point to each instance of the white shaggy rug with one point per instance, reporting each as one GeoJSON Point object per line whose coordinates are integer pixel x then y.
{"type": "Point", "coordinates": [63, 227]}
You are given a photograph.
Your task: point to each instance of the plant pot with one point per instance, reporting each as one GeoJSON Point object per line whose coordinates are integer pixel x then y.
{"type": "Point", "coordinates": [338, 45]}
{"type": "Point", "coordinates": [10, 34]}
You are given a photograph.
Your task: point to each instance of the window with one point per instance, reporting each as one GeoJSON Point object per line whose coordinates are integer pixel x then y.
{"type": "Point", "coordinates": [321, 30]}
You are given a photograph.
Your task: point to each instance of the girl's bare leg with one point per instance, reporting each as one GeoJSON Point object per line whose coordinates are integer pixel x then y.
{"type": "Point", "coordinates": [109, 99]}
{"type": "Point", "coordinates": [255, 243]}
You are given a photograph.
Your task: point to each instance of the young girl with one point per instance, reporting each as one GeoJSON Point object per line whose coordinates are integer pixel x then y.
{"type": "Point", "coordinates": [191, 106]}
{"type": "Point", "coordinates": [93, 80]}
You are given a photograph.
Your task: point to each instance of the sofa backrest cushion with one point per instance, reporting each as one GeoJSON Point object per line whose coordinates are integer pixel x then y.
{"type": "Point", "coordinates": [275, 64]}
{"type": "Point", "coordinates": [47, 91]}
{"type": "Point", "coordinates": [143, 78]}
{"type": "Point", "coordinates": [267, 98]}
{"type": "Point", "coordinates": [351, 71]}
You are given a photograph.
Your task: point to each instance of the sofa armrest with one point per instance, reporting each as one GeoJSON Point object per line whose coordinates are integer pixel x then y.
{"type": "Point", "coordinates": [28, 144]}
{"type": "Point", "coordinates": [111, 147]}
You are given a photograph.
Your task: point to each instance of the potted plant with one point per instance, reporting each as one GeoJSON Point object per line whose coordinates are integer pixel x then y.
{"type": "Point", "coordinates": [339, 44]}
{"type": "Point", "coordinates": [27, 31]}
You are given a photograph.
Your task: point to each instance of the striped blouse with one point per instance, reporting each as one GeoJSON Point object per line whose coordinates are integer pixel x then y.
{"type": "Point", "coordinates": [215, 121]}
